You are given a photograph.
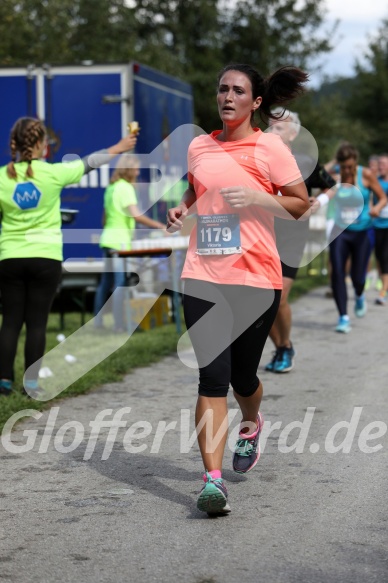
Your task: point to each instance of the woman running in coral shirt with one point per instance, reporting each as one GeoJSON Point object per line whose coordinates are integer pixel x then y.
{"type": "Point", "coordinates": [232, 271]}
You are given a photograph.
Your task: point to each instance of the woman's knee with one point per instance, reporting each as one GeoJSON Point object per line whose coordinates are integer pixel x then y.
{"type": "Point", "coordinates": [213, 391]}
{"type": "Point", "coordinates": [245, 387]}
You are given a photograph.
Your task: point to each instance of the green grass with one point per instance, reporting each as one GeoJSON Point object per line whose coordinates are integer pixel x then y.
{"type": "Point", "coordinates": [140, 350]}
{"type": "Point", "coordinates": [306, 281]}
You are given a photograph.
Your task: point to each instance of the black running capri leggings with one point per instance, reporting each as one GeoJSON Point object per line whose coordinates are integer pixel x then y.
{"type": "Point", "coordinates": [228, 342]}
{"type": "Point", "coordinates": [27, 289]}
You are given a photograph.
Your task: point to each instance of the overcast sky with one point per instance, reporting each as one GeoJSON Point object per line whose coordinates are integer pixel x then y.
{"type": "Point", "coordinates": [358, 19]}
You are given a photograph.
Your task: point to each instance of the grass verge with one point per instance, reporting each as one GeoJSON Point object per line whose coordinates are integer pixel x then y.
{"type": "Point", "coordinates": [139, 350]}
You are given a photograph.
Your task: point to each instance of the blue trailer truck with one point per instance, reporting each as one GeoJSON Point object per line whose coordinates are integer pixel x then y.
{"type": "Point", "coordinates": [88, 107]}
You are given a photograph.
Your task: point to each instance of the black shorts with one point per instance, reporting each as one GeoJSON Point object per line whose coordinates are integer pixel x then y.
{"type": "Point", "coordinates": [381, 249]}
{"type": "Point", "coordinates": [291, 239]}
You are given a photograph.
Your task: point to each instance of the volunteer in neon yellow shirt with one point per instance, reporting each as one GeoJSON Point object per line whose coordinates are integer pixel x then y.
{"type": "Point", "coordinates": [120, 214]}
{"type": "Point", "coordinates": [31, 242]}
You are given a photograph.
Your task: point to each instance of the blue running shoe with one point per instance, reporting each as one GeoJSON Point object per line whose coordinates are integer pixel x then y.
{"type": "Point", "coordinates": [213, 497]}
{"type": "Point", "coordinates": [247, 452]}
{"type": "Point", "coordinates": [270, 366]}
{"type": "Point", "coordinates": [381, 300]}
{"type": "Point", "coordinates": [343, 325]}
{"type": "Point", "coordinates": [284, 361]}
{"type": "Point", "coordinates": [360, 307]}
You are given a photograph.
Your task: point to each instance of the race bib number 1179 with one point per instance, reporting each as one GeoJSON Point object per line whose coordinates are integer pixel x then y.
{"type": "Point", "coordinates": [218, 234]}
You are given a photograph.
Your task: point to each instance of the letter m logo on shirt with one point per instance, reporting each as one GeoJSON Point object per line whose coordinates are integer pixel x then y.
{"type": "Point", "coordinates": [26, 195]}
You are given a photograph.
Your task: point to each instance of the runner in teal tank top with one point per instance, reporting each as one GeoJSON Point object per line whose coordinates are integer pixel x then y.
{"type": "Point", "coordinates": [353, 213]}
{"type": "Point", "coordinates": [351, 205]}
{"type": "Point", "coordinates": [380, 225]}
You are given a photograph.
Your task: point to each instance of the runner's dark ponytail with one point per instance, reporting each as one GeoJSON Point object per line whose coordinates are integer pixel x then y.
{"type": "Point", "coordinates": [282, 87]}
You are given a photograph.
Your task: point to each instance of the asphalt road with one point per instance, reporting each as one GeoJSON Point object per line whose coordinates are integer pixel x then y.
{"type": "Point", "coordinates": [105, 508]}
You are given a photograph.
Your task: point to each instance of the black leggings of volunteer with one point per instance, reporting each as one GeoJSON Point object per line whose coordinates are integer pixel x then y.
{"type": "Point", "coordinates": [27, 287]}
{"type": "Point", "coordinates": [228, 342]}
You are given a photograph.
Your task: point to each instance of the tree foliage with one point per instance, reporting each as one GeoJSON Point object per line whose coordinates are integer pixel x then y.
{"type": "Point", "coordinates": [326, 118]}
{"type": "Point", "coordinates": [204, 35]}
{"type": "Point", "coordinates": [275, 33]}
{"type": "Point", "coordinates": [188, 32]}
{"type": "Point", "coordinates": [368, 102]}
{"type": "Point", "coordinates": [191, 39]}
{"type": "Point", "coordinates": [194, 39]}
{"type": "Point", "coordinates": [65, 31]}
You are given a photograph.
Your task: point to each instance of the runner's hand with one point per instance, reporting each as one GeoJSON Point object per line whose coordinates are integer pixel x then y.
{"type": "Point", "coordinates": [239, 196]}
{"type": "Point", "coordinates": [315, 205]}
{"type": "Point", "coordinates": [374, 211]}
{"type": "Point", "coordinates": [175, 217]}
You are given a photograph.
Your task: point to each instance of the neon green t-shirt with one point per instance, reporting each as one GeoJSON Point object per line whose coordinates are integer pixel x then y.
{"type": "Point", "coordinates": [119, 225]}
{"type": "Point", "coordinates": [30, 207]}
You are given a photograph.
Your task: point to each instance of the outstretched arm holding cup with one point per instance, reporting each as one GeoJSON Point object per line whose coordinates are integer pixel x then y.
{"type": "Point", "coordinates": [31, 242]}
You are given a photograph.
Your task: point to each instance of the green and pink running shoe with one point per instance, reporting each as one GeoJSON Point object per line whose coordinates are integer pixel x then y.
{"type": "Point", "coordinates": [213, 497]}
{"type": "Point", "coordinates": [247, 452]}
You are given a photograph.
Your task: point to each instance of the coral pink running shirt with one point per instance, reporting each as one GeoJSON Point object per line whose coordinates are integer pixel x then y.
{"type": "Point", "coordinates": [229, 245]}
